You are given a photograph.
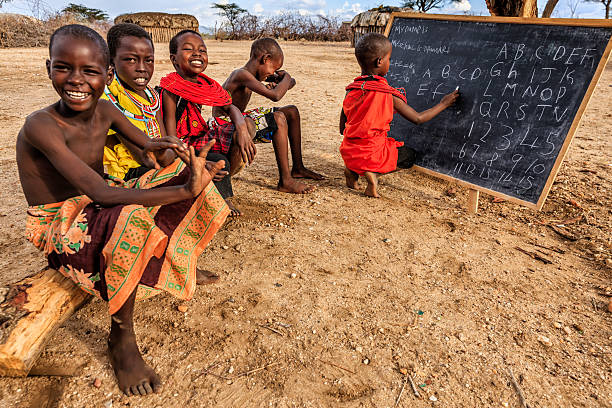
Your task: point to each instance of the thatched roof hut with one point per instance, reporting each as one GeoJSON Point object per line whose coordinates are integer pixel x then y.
{"type": "Point", "coordinates": [161, 26]}
{"type": "Point", "coordinates": [372, 21]}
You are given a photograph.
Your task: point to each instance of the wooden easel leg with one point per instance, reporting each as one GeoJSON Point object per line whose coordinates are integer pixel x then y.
{"type": "Point", "coordinates": [473, 201]}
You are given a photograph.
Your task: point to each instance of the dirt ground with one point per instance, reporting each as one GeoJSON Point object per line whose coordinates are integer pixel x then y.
{"type": "Point", "coordinates": [330, 297]}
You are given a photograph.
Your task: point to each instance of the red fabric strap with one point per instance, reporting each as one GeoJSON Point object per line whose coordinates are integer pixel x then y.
{"type": "Point", "coordinates": [206, 92]}
{"type": "Point", "coordinates": [376, 83]}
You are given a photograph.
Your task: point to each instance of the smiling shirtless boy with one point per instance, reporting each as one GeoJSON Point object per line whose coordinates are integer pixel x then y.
{"type": "Point", "coordinates": [115, 240]}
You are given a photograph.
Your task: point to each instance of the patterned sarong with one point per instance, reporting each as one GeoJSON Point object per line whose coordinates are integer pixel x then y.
{"type": "Point", "coordinates": [141, 112]}
{"type": "Point", "coordinates": [109, 251]}
{"type": "Point", "coordinates": [265, 125]}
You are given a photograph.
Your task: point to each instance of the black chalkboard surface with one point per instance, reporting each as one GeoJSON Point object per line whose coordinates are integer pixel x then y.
{"type": "Point", "coordinates": [524, 85]}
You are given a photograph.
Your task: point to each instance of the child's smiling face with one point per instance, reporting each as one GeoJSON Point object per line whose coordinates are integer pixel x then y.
{"type": "Point", "coordinates": [78, 72]}
{"type": "Point", "coordinates": [134, 63]}
{"type": "Point", "coordinates": [191, 58]}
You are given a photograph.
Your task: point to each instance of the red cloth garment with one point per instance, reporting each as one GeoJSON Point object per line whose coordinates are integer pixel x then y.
{"type": "Point", "coordinates": [368, 107]}
{"type": "Point", "coordinates": [191, 127]}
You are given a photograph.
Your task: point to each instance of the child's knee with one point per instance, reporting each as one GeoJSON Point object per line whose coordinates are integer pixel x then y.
{"type": "Point", "coordinates": [280, 119]}
{"type": "Point", "coordinates": [291, 112]}
{"type": "Point", "coordinates": [250, 126]}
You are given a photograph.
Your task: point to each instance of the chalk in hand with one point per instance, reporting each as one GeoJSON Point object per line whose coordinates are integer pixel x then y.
{"type": "Point", "coordinates": [457, 88]}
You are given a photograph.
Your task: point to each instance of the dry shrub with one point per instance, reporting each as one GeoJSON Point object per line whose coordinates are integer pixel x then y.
{"type": "Point", "coordinates": [17, 30]}
{"type": "Point", "coordinates": [288, 26]}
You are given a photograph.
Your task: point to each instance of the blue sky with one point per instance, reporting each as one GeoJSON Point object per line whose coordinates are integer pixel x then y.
{"type": "Point", "coordinates": [344, 9]}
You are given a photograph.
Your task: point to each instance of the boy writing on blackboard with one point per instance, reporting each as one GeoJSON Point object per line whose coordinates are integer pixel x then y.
{"type": "Point", "coordinates": [366, 113]}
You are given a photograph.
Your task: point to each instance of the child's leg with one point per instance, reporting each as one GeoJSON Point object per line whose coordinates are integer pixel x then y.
{"type": "Point", "coordinates": [133, 374]}
{"type": "Point", "coordinates": [352, 178]}
{"type": "Point", "coordinates": [292, 115]}
{"type": "Point", "coordinates": [225, 184]}
{"type": "Point", "coordinates": [234, 155]}
{"type": "Point", "coordinates": [286, 183]}
{"type": "Point", "coordinates": [371, 189]}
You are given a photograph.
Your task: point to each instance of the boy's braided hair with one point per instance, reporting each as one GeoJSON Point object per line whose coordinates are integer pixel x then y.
{"type": "Point", "coordinates": [118, 31]}
{"type": "Point", "coordinates": [81, 32]}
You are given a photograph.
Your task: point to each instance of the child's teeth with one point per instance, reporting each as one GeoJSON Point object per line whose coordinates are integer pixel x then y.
{"type": "Point", "coordinates": [79, 95]}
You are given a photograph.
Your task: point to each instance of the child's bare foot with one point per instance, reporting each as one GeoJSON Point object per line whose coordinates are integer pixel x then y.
{"type": "Point", "coordinates": [352, 179]}
{"type": "Point", "coordinates": [133, 374]}
{"type": "Point", "coordinates": [234, 211]}
{"type": "Point", "coordinates": [372, 179]}
{"type": "Point", "coordinates": [294, 186]}
{"type": "Point", "coordinates": [204, 277]}
{"type": "Point", "coordinates": [303, 172]}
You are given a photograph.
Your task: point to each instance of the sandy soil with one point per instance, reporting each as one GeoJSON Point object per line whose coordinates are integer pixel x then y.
{"type": "Point", "coordinates": [336, 294]}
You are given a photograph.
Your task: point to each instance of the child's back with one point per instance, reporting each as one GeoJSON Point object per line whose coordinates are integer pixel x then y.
{"type": "Point", "coordinates": [367, 111]}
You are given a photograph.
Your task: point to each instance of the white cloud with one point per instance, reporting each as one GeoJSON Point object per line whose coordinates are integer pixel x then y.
{"type": "Point", "coordinates": [257, 8]}
{"type": "Point", "coordinates": [460, 6]}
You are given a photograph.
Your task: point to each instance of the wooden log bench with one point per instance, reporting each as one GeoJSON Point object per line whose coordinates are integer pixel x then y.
{"type": "Point", "coordinates": [31, 311]}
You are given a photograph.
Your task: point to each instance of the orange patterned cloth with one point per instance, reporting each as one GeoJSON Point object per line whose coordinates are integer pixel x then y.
{"type": "Point", "coordinates": [109, 251]}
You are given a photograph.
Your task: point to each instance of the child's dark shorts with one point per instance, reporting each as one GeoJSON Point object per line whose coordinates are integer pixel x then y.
{"type": "Point", "coordinates": [406, 157]}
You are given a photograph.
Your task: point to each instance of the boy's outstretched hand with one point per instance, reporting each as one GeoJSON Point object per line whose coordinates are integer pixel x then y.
{"type": "Point", "coordinates": [158, 145]}
{"type": "Point", "coordinates": [448, 100]}
{"type": "Point", "coordinates": [201, 172]}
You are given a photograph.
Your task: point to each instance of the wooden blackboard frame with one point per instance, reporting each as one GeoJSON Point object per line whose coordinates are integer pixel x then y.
{"type": "Point", "coordinates": [576, 122]}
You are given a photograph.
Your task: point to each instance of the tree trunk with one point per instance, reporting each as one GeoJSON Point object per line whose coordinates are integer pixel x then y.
{"type": "Point", "coordinates": [33, 309]}
{"type": "Point", "coordinates": [550, 7]}
{"type": "Point", "coordinates": [513, 8]}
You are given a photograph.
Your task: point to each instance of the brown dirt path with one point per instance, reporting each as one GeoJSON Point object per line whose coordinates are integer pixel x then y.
{"type": "Point", "coordinates": [410, 281]}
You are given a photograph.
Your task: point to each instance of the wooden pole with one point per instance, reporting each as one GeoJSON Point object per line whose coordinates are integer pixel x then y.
{"type": "Point", "coordinates": [473, 201]}
{"type": "Point", "coordinates": [36, 306]}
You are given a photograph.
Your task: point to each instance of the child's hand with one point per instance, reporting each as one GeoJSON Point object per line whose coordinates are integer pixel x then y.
{"type": "Point", "coordinates": [246, 146]}
{"type": "Point", "coordinates": [200, 174]}
{"type": "Point", "coordinates": [448, 100]}
{"type": "Point", "coordinates": [220, 174]}
{"type": "Point", "coordinates": [159, 144]}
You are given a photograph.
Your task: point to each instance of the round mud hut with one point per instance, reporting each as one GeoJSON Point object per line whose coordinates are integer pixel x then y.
{"type": "Point", "coordinates": [161, 26]}
{"type": "Point", "coordinates": [372, 21]}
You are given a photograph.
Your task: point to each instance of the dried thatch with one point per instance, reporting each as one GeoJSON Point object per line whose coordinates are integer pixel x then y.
{"type": "Point", "coordinates": [373, 21]}
{"type": "Point", "coordinates": [161, 26]}
{"type": "Point", "coordinates": [17, 30]}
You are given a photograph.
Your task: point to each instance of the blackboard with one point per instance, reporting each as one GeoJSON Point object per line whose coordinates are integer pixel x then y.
{"type": "Point", "coordinates": [524, 84]}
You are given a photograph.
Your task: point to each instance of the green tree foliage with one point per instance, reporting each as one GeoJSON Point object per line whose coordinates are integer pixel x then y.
{"type": "Point", "coordinates": [85, 13]}
{"type": "Point", "coordinates": [232, 13]}
{"type": "Point", "coordinates": [424, 5]}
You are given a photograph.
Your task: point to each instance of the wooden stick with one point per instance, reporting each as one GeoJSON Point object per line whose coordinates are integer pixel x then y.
{"type": "Point", "coordinates": [534, 255]}
{"type": "Point", "coordinates": [255, 370]}
{"type": "Point", "coordinates": [401, 391]}
{"type": "Point", "coordinates": [272, 329]}
{"type": "Point", "coordinates": [517, 389]}
{"type": "Point", "coordinates": [473, 201]}
{"type": "Point", "coordinates": [41, 304]}
{"type": "Point", "coordinates": [337, 366]}
{"type": "Point", "coordinates": [414, 388]}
